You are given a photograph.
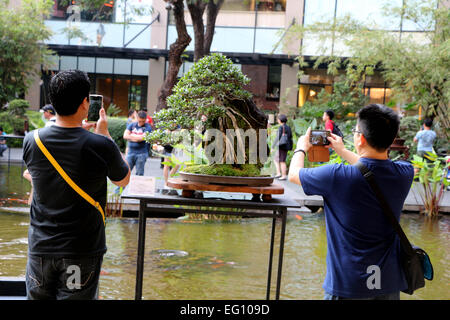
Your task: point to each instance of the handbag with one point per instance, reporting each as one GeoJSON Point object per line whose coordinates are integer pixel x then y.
{"type": "Point", "coordinates": [64, 175]}
{"type": "Point", "coordinates": [284, 141]}
{"type": "Point", "coordinates": [415, 262]}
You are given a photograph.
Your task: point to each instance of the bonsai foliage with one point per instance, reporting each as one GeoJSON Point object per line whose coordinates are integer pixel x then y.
{"type": "Point", "coordinates": [22, 32]}
{"type": "Point", "coordinates": [213, 90]}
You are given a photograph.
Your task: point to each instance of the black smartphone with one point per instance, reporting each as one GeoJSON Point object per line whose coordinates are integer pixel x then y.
{"type": "Point", "coordinates": [95, 104]}
{"type": "Point", "coordinates": [319, 137]}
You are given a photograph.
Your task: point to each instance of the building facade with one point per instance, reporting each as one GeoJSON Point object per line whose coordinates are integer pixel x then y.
{"type": "Point", "coordinates": [127, 62]}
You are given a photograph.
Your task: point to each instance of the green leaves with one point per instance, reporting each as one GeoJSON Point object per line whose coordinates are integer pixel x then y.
{"type": "Point", "coordinates": [22, 32]}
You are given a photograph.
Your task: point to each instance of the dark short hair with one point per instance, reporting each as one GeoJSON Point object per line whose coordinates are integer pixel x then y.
{"type": "Point", "coordinates": [282, 118]}
{"type": "Point", "coordinates": [67, 90]}
{"type": "Point", "coordinates": [330, 113]}
{"type": "Point", "coordinates": [1, 128]}
{"type": "Point", "coordinates": [130, 113]}
{"type": "Point", "coordinates": [142, 114]}
{"type": "Point", "coordinates": [49, 108]}
{"type": "Point", "coordinates": [428, 122]}
{"type": "Point", "coordinates": [379, 125]}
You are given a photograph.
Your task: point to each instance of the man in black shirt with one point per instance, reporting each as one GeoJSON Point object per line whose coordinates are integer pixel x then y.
{"type": "Point", "coordinates": [66, 237]}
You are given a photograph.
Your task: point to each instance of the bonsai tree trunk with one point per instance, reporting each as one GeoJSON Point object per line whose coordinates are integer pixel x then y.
{"type": "Point", "coordinates": [241, 114]}
{"type": "Point", "coordinates": [175, 52]}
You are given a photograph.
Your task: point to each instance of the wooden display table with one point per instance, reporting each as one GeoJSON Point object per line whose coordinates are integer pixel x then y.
{"type": "Point", "coordinates": [189, 187]}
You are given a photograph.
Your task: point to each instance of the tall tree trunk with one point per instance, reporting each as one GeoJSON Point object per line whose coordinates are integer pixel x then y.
{"type": "Point", "coordinates": [212, 10]}
{"type": "Point", "coordinates": [176, 50]}
{"type": "Point", "coordinates": [197, 9]}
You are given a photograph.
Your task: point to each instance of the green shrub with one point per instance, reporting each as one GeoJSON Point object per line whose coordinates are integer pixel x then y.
{"type": "Point", "coordinates": [18, 107]}
{"type": "Point", "coordinates": [116, 128]}
{"type": "Point", "coordinates": [34, 119]}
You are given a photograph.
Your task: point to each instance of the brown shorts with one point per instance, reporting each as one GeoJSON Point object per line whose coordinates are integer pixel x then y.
{"type": "Point", "coordinates": [282, 154]}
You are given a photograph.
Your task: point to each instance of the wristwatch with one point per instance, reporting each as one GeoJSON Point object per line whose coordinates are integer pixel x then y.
{"type": "Point", "coordinates": [300, 150]}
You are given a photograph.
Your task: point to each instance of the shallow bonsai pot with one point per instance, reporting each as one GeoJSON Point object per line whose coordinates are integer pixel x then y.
{"type": "Point", "coordinates": [227, 180]}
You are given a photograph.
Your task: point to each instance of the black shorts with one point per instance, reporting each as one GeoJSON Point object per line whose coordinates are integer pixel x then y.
{"type": "Point", "coordinates": [282, 155]}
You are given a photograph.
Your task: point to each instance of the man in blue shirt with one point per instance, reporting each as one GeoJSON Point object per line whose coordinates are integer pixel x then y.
{"type": "Point", "coordinates": [425, 138]}
{"type": "Point", "coordinates": [363, 248]}
{"type": "Point", "coordinates": [138, 149]}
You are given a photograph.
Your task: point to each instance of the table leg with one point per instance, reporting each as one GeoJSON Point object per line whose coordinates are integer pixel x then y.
{"type": "Point", "coordinates": [141, 251]}
{"type": "Point", "coordinates": [280, 259]}
{"type": "Point", "coordinates": [272, 240]}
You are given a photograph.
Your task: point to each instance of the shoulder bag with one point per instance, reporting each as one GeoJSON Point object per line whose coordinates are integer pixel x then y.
{"type": "Point", "coordinates": [284, 141]}
{"type": "Point", "coordinates": [415, 261]}
{"type": "Point", "coordinates": [64, 175]}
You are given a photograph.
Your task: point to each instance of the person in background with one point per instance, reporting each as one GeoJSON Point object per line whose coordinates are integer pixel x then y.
{"type": "Point", "coordinates": [138, 149]}
{"type": "Point", "coordinates": [49, 115]}
{"type": "Point", "coordinates": [132, 116]}
{"type": "Point", "coordinates": [3, 145]}
{"type": "Point", "coordinates": [425, 139]}
{"type": "Point", "coordinates": [327, 118]}
{"type": "Point", "coordinates": [280, 157]}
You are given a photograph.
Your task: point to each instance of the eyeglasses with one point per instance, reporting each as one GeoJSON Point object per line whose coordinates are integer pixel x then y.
{"type": "Point", "coordinates": [354, 130]}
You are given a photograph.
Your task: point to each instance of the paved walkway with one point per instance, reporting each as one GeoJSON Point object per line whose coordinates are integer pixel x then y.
{"type": "Point", "coordinates": [152, 168]}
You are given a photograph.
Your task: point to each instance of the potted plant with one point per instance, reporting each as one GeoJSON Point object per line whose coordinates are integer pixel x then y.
{"type": "Point", "coordinates": [209, 102]}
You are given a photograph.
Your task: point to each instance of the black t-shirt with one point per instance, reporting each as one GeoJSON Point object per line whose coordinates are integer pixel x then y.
{"type": "Point", "coordinates": [62, 223]}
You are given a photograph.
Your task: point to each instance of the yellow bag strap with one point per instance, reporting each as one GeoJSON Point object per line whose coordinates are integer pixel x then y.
{"type": "Point", "coordinates": [66, 177]}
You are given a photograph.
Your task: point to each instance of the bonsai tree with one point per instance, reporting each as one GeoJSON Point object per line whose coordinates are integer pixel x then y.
{"type": "Point", "coordinates": [15, 116]}
{"type": "Point", "coordinates": [210, 99]}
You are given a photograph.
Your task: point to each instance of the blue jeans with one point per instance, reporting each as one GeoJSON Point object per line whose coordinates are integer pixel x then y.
{"type": "Point", "coordinates": [50, 278]}
{"type": "Point", "coordinates": [389, 296]}
{"type": "Point", "coordinates": [3, 147]}
{"type": "Point", "coordinates": [138, 160]}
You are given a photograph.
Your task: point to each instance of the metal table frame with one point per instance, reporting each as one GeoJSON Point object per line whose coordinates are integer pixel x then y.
{"type": "Point", "coordinates": [275, 209]}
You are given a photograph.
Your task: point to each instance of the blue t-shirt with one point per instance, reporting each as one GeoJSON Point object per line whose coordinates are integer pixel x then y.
{"type": "Point", "coordinates": [358, 233]}
{"type": "Point", "coordinates": [425, 140]}
{"type": "Point", "coordinates": [138, 147]}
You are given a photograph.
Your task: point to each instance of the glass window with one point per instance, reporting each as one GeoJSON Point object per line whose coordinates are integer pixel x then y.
{"type": "Point", "coordinates": [121, 92]}
{"type": "Point", "coordinates": [104, 65]}
{"type": "Point", "coordinates": [273, 85]}
{"type": "Point", "coordinates": [142, 40]}
{"type": "Point", "coordinates": [249, 5]}
{"type": "Point", "coordinates": [122, 66]}
{"type": "Point", "coordinates": [86, 64]}
{"type": "Point", "coordinates": [103, 86]}
{"type": "Point", "coordinates": [318, 11]}
{"type": "Point", "coordinates": [238, 5]}
{"type": "Point", "coordinates": [138, 94]}
{"type": "Point", "coordinates": [141, 67]}
{"type": "Point", "coordinates": [266, 39]}
{"type": "Point", "coordinates": [376, 95]}
{"type": "Point", "coordinates": [68, 63]}
{"type": "Point", "coordinates": [370, 12]}
{"type": "Point", "coordinates": [54, 63]}
{"type": "Point", "coordinates": [309, 92]}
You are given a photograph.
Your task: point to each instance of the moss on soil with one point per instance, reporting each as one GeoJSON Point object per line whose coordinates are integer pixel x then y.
{"type": "Point", "coordinates": [244, 170]}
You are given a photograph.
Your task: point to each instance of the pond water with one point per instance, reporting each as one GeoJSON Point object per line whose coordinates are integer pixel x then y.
{"type": "Point", "coordinates": [218, 260]}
